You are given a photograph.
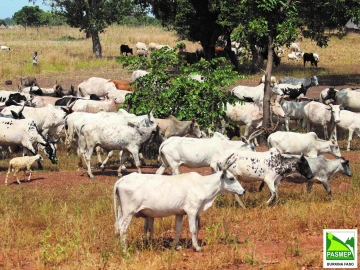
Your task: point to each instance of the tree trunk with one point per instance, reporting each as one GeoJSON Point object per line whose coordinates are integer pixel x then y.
{"type": "Point", "coordinates": [267, 94]}
{"type": "Point", "coordinates": [96, 44]}
{"type": "Point", "coordinates": [257, 60]}
{"type": "Point", "coordinates": [233, 58]}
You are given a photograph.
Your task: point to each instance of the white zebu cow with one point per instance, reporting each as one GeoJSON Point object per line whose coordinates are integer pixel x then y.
{"type": "Point", "coordinates": [250, 114]}
{"type": "Point", "coordinates": [254, 93]}
{"type": "Point", "coordinates": [323, 170]}
{"type": "Point", "coordinates": [48, 120]}
{"type": "Point", "coordinates": [308, 144]}
{"type": "Point", "coordinates": [325, 115]}
{"type": "Point", "coordinates": [111, 136]}
{"type": "Point", "coordinates": [118, 95]}
{"type": "Point", "coordinates": [94, 85]}
{"type": "Point", "coordinates": [23, 132]}
{"type": "Point", "coordinates": [186, 194]}
{"type": "Point", "coordinates": [196, 153]}
{"type": "Point", "coordinates": [137, 74]}
{"type": "Point", "coordinates": [270, 167]}
{"type": "Point", "coordinates": [141, 46]}
{"type": "Point", "coordinates": [41, 101]}
{"type": "Point", "coordinates": [94, 106]}
{"type": "Point", "coordinates": [294, 111]}
{"type": "Point", "coordinates": [170, 127]}
{"type": "Point", "coordinates": [349, 121]}
{"type": "Point", "coordinates": [349, 99]}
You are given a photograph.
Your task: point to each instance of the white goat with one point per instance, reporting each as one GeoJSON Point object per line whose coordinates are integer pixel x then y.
{"type": "Point", "coordinates": [22, 164]}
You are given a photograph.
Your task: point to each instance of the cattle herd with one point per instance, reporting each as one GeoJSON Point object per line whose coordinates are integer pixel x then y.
{"type": "Point", "coordinates": [34, 117]}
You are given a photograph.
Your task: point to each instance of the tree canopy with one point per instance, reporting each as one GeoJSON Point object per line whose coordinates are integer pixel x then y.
{"type": "Point", "coordinates": [30, 16]}
{"type": "Point", "coordinates": [167, 92]}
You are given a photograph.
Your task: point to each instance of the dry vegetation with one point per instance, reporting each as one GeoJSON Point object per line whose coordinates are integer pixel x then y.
{"type": "Point", "coordinates": [62, 220]}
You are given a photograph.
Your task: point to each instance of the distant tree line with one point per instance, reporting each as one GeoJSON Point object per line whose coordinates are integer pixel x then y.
{"type": "Point", "coordinates": [33, 16]}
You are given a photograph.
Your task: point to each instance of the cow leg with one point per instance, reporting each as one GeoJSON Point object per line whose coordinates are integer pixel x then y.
{"type": "Point", "coordinates": [309, 186]}
{"type": "Point", "coordinates": [326, 134]}
{"type": "Point", "coordinates": [351, 131]}
{"type": "Point", "coordinates": [135, 154]}
{"type": "Point", "coordinates": [271, 185]}
{"type": "Point", "coordinates": [327, 188]}
{"type": "Point", "coordinates": [15, 175]}
{"type": "Point", "coordinates": [123, 155]}
{"type": "Point", "coordinates": [98, 154]}
{"type": "Point", "coordinates": [149, 227]}
{"type": "Point", "coordinates": [7, 175]}
{"type": "Point", "coordinates": [178, 224]}
{"type": "Point", "coordinates": [287, 124]}
{"type": "Point", "coordinates": [87, 158]}
{"type": "Point", "coordinates": [142, 159]}
{"type": "Point", "coordinates": [124, 222]}
{"type": "Point", "coordinates": [29, 169]}
{"type": "Point", "coordinates": [193, 230]}
{"type": "Point", "coordinates": [109, 155]}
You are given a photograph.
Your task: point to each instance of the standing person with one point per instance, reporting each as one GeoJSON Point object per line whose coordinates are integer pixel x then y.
{"type": "Point", "coordinates": [35, 59]}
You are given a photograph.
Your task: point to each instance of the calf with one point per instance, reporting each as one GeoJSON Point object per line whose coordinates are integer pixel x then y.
{"type": "Point", "coordinates": [323, 170]}
{"type": "Point", "coordinates": [270, 167]}
{"type": "Point", "coordinates": [187, 194]}
{"type": "Point", "coordinates": [125, 49]}
{"type": "Point", "coordinates": [170, 127]}
{"type": "Point", "coordinates": [309, 57]}
{"type": "Point", "coordinates": [22, 164]}
{"type": "Point", "coordinates": [308, 144]}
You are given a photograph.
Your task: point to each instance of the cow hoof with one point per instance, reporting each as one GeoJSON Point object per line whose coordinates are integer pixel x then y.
{"type": "Point", "coordinates": [102, 168]}
{"type": "Point", "coordinates": [198, 249]}
{"type": "Point", "coordinates": [91, 176]}
{"type": "Point", "coordinates": [119, 174]}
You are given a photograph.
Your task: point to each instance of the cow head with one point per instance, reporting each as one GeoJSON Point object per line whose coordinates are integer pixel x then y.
{"type": "Point", "coordinates": [277, 109]}
{"type": "Point", "coordinates": [314, 80]}
{"type": "Point", "coordinates": [277, 90]}
{"type": "Point", "coordinates": [195, 129]}
{"type": "Point", "coordinates": [346, 168]}
{"type": "Point", "coordinates": [334, 148]}
{"type": "Point", "coordinates": [229, 183]}
{"type": "Point", "coordinates": [303, 167]}
{"type": "Point", "coordinates": [335, 112]}
{"type": "Point", "coordinates": [50, 151]}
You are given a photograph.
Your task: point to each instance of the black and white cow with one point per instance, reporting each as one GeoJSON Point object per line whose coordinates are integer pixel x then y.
{"type": "Point", "coordinates": [306, 82]}
{"type": "Point", "coordinates": [310, 57]}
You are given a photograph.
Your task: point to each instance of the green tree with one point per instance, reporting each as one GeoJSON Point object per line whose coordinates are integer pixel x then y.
{"type": "Point", "coordinates": [92, 16]}
{"type": "Point", "coordinates": [177, 94]}
{"type": "Point", "coordinates": [29, 16]}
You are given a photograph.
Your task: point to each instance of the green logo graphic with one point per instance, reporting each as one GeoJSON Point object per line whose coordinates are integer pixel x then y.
{"type": "Point", "coordinates": [337, 249]}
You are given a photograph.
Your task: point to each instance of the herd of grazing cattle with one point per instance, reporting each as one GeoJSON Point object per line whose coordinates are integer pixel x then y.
{"type": "Point", "coordinates": [33, 118]}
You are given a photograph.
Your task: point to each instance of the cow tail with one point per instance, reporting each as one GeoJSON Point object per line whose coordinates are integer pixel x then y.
{"type": "Point", "coordinates": [117, 207]}
{"type": "Point", "coordinates": [80, 93]}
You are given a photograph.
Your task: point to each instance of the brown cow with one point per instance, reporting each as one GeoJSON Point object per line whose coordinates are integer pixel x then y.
{"type": "Point", "coordinates": [122, 85]}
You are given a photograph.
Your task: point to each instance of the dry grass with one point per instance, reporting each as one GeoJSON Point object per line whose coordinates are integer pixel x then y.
{"type": "Point", "coordinates": [66, 221]}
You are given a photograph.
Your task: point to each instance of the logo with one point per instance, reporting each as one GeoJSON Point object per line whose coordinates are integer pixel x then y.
{"type": "Point", "coordinates": [340, 248]}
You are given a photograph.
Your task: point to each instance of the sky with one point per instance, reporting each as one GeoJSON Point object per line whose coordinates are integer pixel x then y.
{"type": "Point", "coordinates": [9, 7]}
